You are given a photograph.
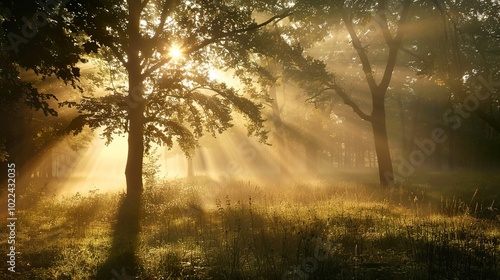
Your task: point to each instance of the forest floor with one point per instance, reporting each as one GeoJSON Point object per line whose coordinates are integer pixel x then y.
{"type": "Point", "coordinates": [436, 226]}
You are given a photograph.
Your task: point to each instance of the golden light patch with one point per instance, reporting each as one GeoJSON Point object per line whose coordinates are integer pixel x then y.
{"type": "Point", "coordinates": [175, 52]}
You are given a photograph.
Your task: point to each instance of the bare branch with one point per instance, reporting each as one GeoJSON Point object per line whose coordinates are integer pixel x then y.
{"type": "Point", "coordinates": [393, 48]}
{"type": "Point", "coordinates": [367, 68]}
{"type": "Point", "coordinates": [381, 19]}
{"type": "Point", "coordinates": [349, 102]}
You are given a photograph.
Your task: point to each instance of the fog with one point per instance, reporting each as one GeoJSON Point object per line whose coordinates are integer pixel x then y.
{"type": "Point", "coordinates": [148, 139]}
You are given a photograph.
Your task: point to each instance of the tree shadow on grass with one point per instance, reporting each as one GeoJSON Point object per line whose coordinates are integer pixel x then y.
{"type": "Point", "coordinates": [122, 262]}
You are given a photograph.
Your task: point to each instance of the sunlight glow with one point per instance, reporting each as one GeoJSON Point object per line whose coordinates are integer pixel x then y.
{"type": "Point", "coordinates": [98, 166]}
{"type": "Point", "coordinates": [212, 74]}
{"type": "Point", "coordinates": [175, 52]}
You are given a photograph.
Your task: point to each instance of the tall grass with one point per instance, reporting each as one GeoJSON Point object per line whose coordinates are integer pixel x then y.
{"type": "Point", "coordinates": [319, 229]}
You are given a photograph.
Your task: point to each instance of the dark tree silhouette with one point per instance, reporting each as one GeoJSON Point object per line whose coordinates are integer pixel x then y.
{"type": "Point", "coordinates": [27, 26]}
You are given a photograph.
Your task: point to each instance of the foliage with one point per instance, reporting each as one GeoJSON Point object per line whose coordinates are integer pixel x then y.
{"type": "Point", "coordinates": [151, 169]}
{"type": "Point", "coordinates": [181, 99]}
{"type": "Point", "coordinates": [27, 26]}
{"type": "Point", "coordinates": [462, 55]}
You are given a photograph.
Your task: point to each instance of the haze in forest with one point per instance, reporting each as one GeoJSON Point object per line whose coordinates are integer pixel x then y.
{"type": "Point", "coordinates": [158, 139]}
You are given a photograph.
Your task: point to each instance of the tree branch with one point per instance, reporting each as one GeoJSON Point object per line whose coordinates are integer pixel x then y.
{"type": "Point", "coordinates": [393, 49]}
{"type": "Point", "coordinates": [117, 53]}
{"type": "Point", "coordinates": [381, 19]}
{"type": "Point", "coordinates": [488, 119]}
{"type": "Point", "coordinates": [348, 101]}
{"type": "Point", "coordinates": [167, 8]}
{"type": "Point", "coordinates": [462, 94]}
{"type": "Point", "coordinates": [367, 69]}
{"type": "Point", "coordinates": [144, 3]}
{"type": "Point", "coordinates": [207, 42]}
{"type": "Point", "coordinates": [402, 21]}
{"type": "Point", "coordinates": [318, 94]}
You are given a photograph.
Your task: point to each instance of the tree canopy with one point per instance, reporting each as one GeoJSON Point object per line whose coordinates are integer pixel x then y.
{"type": "Point", "coordinates": [159, 60]}
{"type": "Point", "coordinates": [161, 54]}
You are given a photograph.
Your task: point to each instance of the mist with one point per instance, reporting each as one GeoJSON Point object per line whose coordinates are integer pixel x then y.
{"type": "Point", "coordinates": [250, 139]}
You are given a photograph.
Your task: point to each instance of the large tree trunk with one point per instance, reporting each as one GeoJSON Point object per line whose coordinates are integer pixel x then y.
{"type": "Point", "coordinates": [378, 91]}
{"type": "Point", "coordinates": [136, 105]}
{"type": "Point", "coordinates": [133, 169]}
{"type": "Point", "coordinates": [381, 140]}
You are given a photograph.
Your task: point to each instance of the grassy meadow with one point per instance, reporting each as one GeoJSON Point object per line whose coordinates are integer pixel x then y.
{"type": "Point", "coordinates": [435, 226]}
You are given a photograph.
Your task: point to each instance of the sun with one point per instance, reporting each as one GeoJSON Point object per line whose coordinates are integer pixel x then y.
{"type": "Point", "coordinates": [175, 52]}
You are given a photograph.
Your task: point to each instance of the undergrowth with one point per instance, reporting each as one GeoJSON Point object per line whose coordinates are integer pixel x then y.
{"type": "Point", "coordinates": [206, 229]}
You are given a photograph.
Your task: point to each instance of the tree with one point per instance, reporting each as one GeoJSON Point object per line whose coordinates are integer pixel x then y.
{"type": "Point", "coordinates": [465, 55]}
{"type": "Point", "coordinates": [28, 26]}
{"type": "Point", "coordinates": [460, 54]}
{"type": "Point", "coordinates": [451, 42]}
{"type": "Point", "coordinates": [161, 53]}
{"type": "Point", "coordinates": [391, 28]}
